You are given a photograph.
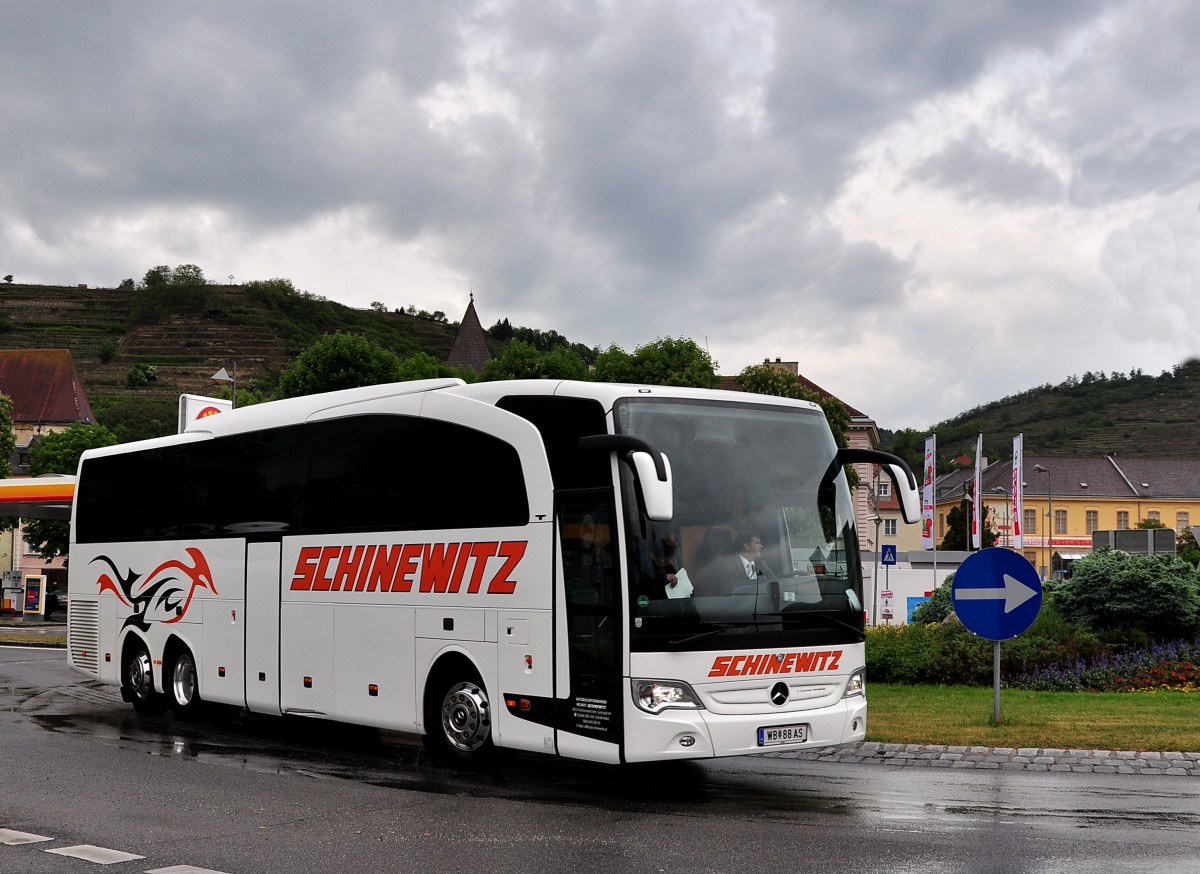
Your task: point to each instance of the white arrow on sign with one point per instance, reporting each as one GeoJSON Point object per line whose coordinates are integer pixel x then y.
{"type": "Point", "coordinates": [1015, 593]}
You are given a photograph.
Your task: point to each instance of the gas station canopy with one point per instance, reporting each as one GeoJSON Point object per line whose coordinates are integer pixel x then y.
{"type": "Point", "coordinates": [40, 497]}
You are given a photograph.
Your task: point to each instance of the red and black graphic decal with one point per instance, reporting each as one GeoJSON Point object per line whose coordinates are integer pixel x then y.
{"type": "Point", "coordinates": [164, 594]}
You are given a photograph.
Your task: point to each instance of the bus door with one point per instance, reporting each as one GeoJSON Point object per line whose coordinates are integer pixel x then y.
{"type": "Point", "coordinates": [262, 612]}
{"type": "Point", "coordinates": [589, 688]}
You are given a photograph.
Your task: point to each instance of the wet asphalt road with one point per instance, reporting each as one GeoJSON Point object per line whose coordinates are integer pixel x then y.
{"type": "Point", "coordinates": [289, 795]}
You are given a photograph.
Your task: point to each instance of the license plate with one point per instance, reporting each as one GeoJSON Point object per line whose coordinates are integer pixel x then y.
{"type": "Point", "coordinates": [782, 734]}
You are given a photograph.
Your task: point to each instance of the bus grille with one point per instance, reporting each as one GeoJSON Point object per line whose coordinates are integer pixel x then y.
{"type": "Point", "coordinates": [83, 634]}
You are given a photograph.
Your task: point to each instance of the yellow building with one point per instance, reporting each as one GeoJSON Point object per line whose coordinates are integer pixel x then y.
{"type": "Point", "coordinates": [1066, 499]}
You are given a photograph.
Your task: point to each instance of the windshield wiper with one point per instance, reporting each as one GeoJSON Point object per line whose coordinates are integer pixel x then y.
{"type": "Point", "coordinates": [720, 629]}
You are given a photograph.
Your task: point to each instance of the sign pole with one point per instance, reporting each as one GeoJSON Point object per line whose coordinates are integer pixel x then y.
{"type": "Point", "coordinates": [996, 682]}
{"type": "Point", "coordinates": [997, 595]}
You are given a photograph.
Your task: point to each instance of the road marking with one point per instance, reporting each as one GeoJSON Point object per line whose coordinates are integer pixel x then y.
{"type": "Point", "coordinates": [99, 855]}
{"type": "Point", "coordinates": [15, 838]}
{"type": "Point", "coordinates": [184, 869]}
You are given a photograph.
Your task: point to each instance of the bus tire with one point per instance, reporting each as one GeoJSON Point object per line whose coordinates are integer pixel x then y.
{"type": "Point", "coordinates": [458, 718]}
{"type": "Point", "coordinates": [184, 686]}
{"type": "Point", "coordinates": [138, 678]}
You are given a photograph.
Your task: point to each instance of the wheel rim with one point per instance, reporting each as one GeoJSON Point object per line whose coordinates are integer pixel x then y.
{"type": "Point", "coordinates": [183, 681]}
{"type": "Point", "coordinates": [140, 677]}
{"type": "Point", "coordinates": [466, 717]}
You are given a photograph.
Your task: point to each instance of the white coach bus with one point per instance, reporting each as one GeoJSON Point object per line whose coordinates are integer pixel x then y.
{"type": "Point", "coordinates": [530, 565]}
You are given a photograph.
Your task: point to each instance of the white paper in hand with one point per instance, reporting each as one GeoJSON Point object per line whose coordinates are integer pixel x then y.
{"type": "Point", "coordinates": [682, 587]}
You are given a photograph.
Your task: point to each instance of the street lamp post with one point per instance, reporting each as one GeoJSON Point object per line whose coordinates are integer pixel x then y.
{"type": "Point", "coordinates": [1049, 522]}
{"type": "Point", "coordinates": [875, 576]}
{"type": "Point", "coordinates": [223, 375]}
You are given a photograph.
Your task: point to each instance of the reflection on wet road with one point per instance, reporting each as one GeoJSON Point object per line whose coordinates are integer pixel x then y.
{"type": "Point", "coordinates": [900, 818]}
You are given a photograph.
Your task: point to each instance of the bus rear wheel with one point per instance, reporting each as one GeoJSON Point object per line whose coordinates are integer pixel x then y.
{"type": "Point", "coordinates": [185, 686]}
{"type": "Point", "coordinates": [138, 675]}
{"type": "Point", "coordinates": [458, 720]}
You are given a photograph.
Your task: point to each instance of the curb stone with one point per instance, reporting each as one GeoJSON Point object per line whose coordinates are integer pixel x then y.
{"type": "Point", "coordinates": [1167, 764]}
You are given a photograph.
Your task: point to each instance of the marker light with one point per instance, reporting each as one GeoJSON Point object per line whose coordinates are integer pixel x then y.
{"type": "Point", "coordinates": [655, 696]}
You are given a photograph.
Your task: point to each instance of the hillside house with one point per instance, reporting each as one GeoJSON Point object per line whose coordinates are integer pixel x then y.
{"type": "Point", "coordinates": [47, 396]}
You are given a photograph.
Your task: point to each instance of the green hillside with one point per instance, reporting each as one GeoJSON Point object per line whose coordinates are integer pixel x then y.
{"type": "Point", "coordinates": [1130, 414]}
{"type": "Point", "coordinates": [188, 333]}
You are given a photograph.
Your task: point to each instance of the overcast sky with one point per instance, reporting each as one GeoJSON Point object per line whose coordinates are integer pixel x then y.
{"type": "Point", "coordinates": [928, 205]}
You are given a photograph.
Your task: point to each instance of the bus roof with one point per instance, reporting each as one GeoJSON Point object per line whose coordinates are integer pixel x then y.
{"type": "Point", "coordinates": [292, 411]}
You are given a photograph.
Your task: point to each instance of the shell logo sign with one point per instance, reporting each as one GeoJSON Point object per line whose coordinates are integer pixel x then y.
{"type": "Point", "coordinates": [193, 408]}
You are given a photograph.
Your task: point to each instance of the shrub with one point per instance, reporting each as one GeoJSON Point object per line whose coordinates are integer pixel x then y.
{"type": "Point", "coordinates": [1174, 665]}
{"type": "Point", "coordinates": [947, 653]}
{"type": "Point", "coordinates": [1155, 595]}
{"type": "Point", "coordinates": [141, 374]}
{"type": "Point", "coordinates": [939, 605]}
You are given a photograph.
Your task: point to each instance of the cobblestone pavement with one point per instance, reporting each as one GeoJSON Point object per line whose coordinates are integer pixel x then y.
{"type": "Point", "coordinates": [1002, 758]}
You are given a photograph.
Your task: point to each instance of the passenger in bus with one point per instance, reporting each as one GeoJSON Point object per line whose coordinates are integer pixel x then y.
{"type": "Point", "coordinates": [663, 578]}
{"type": "Point", "coordinates": [740, 565]}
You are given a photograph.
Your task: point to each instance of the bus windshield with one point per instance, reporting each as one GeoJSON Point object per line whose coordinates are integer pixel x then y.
{"type": "Point", "coordinates": [761, 551]}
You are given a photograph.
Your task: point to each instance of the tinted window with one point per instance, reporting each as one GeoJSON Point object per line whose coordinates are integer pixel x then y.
{"type": "Point", "coordinates": [359, 473]}
{"type": "Point", "coordinates": [561, 422]}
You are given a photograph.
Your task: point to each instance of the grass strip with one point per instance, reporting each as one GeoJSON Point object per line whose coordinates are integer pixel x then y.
{"type": "Point", "coordinates": [960, 715]}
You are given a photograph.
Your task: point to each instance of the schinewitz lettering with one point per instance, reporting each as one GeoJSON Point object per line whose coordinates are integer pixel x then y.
{"type": "Point", "coordinates": [775, 663]}
{"type": "Point", "coordinates": [470, 568]}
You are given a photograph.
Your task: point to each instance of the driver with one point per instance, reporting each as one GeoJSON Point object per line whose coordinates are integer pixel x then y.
{"type": "Point", "coordinates": [742, 566]}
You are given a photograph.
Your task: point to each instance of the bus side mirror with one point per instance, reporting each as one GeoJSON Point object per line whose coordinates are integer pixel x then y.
{"type": "Point", "coordinates": [906, 491]}
{"type": "Point", "coordinates": [651, 470]}
{"type": "Point", "coordinates": [897, 470]}
{"type": "Point", "coordinates": [657, 494]}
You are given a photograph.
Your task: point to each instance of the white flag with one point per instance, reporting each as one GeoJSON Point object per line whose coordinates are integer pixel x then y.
{"type": "Point", "coordinates": [977, 491]}
{"type": "Point", "coordinates": [1018, 490]}
{"type": "Point", "coordinates": [927, 538]}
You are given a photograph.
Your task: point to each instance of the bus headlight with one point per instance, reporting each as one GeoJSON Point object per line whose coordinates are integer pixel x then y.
{"type": "Point", "coordinates": [655, 696]}
{"type": "Point", "coordinates": [857, 684]}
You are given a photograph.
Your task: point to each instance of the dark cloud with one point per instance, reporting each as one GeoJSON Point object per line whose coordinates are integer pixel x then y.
{"type": "Point", "coordinates": [1162, 162]}
{"type": "Point", "coordinates": [612, 170]}
{"type": "Point", "coordinates": [974, 170]}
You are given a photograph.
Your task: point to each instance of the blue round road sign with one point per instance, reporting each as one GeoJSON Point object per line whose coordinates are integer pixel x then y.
{"type": "Point", "coordinates": [996, 593]}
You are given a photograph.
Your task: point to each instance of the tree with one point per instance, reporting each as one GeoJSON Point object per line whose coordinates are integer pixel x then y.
{"type": "Point", "coordinates": [520, 360]}
{"type": "Point", "coordinates": [958, 528]}
{"type": "Point", "coordinates": [764, 379]}
{"type": "Point", "coordinates": [338, 361]}
{"type": "Point", "coordinates": [141, 374]}
{"type": "Point", "coordinates": [8, 440]}
{"type": "Point", "coordinates": [378, 306]}
{"type": "Point", "coordinates": [665, 361]}
{"type": "Point", "coordinates": [1154, 594]}
{"type": "Point", "coordinates": [8, 448]}
{"type": "Point", "coordinates": [909, 444]}
{"type": "Point", "coordinates": [1187, 548]}
{"type": "Point", "coordinates": [184, 274]}
{"type": "Point", "coordinates": [938, 607]}
{"type": "Point", "coordinates": [59, 452]}
{"type": "Point", "coordinates": [422, 365]}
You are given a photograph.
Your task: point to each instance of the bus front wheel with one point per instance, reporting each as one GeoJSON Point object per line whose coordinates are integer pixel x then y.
{"type": "Point", "coordinates": [458, 720]}
{"type": "Point", "coordinates": [139, 682]}
{"type": "Point", "coordinates": [185, 686]}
